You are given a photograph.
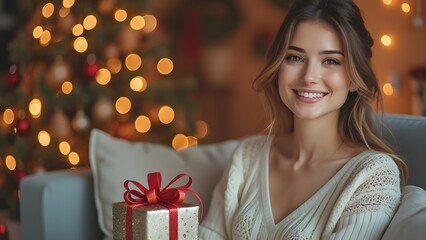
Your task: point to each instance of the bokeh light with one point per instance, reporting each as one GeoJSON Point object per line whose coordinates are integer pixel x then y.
{"type": "Point", "coordinates": [34, 107]}
{"type": "Point", "coordinates": [103, 76]}
{"type": "Point", "coordinates": [386, 40]}
{"type": "Point", "coordinates": [166, 114]}
{"type": "Point", "coordinates": [388, 89]}
{"type": "Point", "coordinates": [138, 84]}
{"type": "Point", "coordinates": [123, 105]}
{"type": "Point", "coordinates": [165, 66]}
{"type": "Point", "coordinates": [44, 138]}
{"type": "Point", "coordinates": [142, 124]}
{"type": "Point", "coordinates": [133, 62]}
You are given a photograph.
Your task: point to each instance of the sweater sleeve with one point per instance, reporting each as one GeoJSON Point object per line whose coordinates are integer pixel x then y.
{"type": "Point", "coordinates": [373, 203]}
{"type": "Point", "coordinates": [218, 222]}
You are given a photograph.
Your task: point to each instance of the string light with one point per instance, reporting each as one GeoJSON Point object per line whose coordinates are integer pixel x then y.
{"type": "Point", "coordinates": [405, 7]}
{"type": "Point", "coordinates": [123, 105]}
{"type": "Point", "coordinates": [64, 148]}
{"type": "Point", "coordinates": [166, 114]}
{"type": "Point", "coordinates": [180, 142]}
{"type": "Point", "coordinates": [387, 2]}
{"type": "Point", "coordinates": [45, 38]}
{"type": "Point", "coordinates": [68, 3]}
{"type": "Point", "coordinates": [114, 65]}
{"type": "Point", "coordinates": [133, 62]}
{"type": "Point", "coordinates": [10, 162]}
{"type": "Point", "coordinates": [63, 12]}
{"type": "Point", "coordinates": [74, 158]}
{"type": "Point", "coordinates": [44, 138]}
{"type": "Point", "coordinates": [165, 66]}
{"type": "Point", "coordinates": [120, 15]}
{"type": "Point", "coordinates": [47, 10]}
{"type": "Point", "coordinates": [89, 22]}
{"type": "Point", "coordinates": [202, 129]}
{"type": "Point", "coordinates": [388, 89]}
{"type": "Point", "coordinates": [38, 30]}
{"type": "Point", "coordinates": [386, 40]}
{"type": "Point", "coordinates": [80, 44]}
{"type": "Point", "coordinates": [150, 23]}
{"type": "Point", "coordinates": [138, 84]}
{"type": "Point", "coordinates": [142, 124]}
{"type": "Point", "coordinates": [34, 107]}
{"type": "Point", "coordinates": [103, 76]}
{"type": "Point", "coordinates": [77, 30]}
{"type": "Point", "coordinates": [8, 116]}
{"type": "Point", "coordinates": [137, 23]}
{"type": "Point", "coordinates": [67, 87]}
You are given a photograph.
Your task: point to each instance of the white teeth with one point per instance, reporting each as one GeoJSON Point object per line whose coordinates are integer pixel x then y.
{"type": "Point", "coordinates": [310, 95]}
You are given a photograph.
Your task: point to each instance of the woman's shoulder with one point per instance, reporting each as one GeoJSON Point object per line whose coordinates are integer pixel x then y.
{"type": "Point", "coordinates": [372, 160]}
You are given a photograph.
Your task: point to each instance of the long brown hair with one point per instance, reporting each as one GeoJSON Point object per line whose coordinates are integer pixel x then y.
{"type": "Point", "coordinates": [356, 115]}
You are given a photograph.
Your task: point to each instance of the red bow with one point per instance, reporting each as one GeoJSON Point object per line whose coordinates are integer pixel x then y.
{"type": "Point", "coordinates": [168, 197]}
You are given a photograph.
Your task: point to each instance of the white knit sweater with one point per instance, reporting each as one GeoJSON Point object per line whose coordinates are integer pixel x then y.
{"type": "Point", "coordinates": [356, 203]}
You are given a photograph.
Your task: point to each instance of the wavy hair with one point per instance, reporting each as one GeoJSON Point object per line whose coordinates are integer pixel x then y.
{"type": "Point", "coordinates": [356, 115]}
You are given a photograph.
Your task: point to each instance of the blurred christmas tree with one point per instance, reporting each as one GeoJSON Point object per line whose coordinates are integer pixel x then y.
{"type": "Point", "coordinates": [86, 64]}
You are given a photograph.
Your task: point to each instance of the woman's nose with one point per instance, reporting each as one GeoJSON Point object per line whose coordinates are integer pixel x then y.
{"type": "Point", "coordinates": [311, 74]}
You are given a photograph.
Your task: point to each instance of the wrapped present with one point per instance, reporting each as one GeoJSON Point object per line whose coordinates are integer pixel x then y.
{"type": "Point", "coordinates": [156, 214]}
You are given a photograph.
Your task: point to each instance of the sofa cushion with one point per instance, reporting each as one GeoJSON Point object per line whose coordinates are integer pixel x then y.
{"type": "Point", "coordinates": [409, 221]}
{"type": "Point", "coordinates": [115, 160]}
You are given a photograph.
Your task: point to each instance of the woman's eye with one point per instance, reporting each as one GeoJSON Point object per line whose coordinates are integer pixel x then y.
{"type": "Point", "coordinates": [293, 58]}
{"type": "Point", "coordinates": [331, 62]}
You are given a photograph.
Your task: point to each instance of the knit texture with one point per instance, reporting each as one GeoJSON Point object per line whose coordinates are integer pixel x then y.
{"type": "Point", "coordinates": [358, 202]}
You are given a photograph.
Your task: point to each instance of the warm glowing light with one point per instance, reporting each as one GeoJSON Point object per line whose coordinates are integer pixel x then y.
{"type": "Point", "coordinates": [64, 148]}
{"type": "Point", "coordinates": [138, 84]}
{"type": "Point", "coordinates": [192, 141]}
{"type": "Point", "coordinates": [388, 89]}
{"type": "Point", "coordinates": [142, 124]}
{"type": "Point", "coordinates": [166, 114]}
{"type": "Point", "coordinates": [133, 62]}
{"type": "Point", "coordinates": [34, 107]}
{"type": "Point", "coordinates": [77, 30]}
{"type": "Point", "coordinates": [37, 32]}
{"type": "Point", "coordinates": [386, 40]}
{"type": "Point", "coordinates": [202, 129]}
{"type": "Point", "coordinates": [47, 10]}
{"type": "Point", "coordinates": [63, 12]}
{"type": "Point", "coordinates": [67, 87]}
{"type": "Point", "coordinates": [114, 65]}
{"type": "Point", "coordinates": [103, 76]}
{"type": "Point", "coordinates": [44, 138]}
{"type": "Point", "coordinates": [180, 142]}
{"type": "Point", "coordinates": [405, 7]}
{"type": "Point", "coordinates": [80, 44]}
{"type": "Point", "coordinates": [89, 22]}
{"type": "Point", "coordinates": [8, 116]}
{"type": "Point", "coordinates": [120, 15]}
{"type": "Point", "coordinates": [387, 2]}
{"type": "Point", "coordinates": [150, 23]}
{"type": "Point", "coordinates": [165, 66]}
{"type": "Point", "coordinates": [74, 158]}
{"type": "Point", "coordinates": [123, 105]}
{"type": "Point", "coordinates": [68, 3]}
{"type": "Point", "coordinates": [45, 38]}
{"type": "Point", "coordinates": [10, 162]}
{"type": "Point", "coordinates": [137, 23]}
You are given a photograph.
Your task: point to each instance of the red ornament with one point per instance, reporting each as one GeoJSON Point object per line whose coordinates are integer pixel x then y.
{"type": "Point", "coordinates": [91, 69]}
{"type": "Point", "coordinates": [22, 126]}
{"type": "Point", "coordinates": [19, 175]}
{"type": "Point", "coordinates": [13, 79]}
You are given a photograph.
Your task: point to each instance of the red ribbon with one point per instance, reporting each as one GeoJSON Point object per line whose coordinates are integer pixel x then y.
{"type": "Point", "coordinates": [167, 197]}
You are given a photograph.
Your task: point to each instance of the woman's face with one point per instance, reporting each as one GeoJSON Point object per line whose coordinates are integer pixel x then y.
{"type": "Point", "coordinates": [313, 81]}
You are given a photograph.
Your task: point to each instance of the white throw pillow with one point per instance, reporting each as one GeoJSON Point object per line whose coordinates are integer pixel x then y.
{"type": "Point", "coordinates": [115, 160]}
{"type": "Point", "coordinates": [409, 221]}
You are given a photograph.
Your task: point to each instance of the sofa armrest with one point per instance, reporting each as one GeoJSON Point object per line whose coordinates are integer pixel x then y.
{"type": "Point", "coordinates": [59, 205]}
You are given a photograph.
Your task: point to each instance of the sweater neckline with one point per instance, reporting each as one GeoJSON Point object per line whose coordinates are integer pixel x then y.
{"type": "Point", "coordinates": [264, 175]}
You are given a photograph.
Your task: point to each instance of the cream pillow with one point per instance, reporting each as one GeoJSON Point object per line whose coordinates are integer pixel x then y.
{"type": "Point", "coordinates": [115, 160]}
{"type": "Point", "coordinates": [409, 221]}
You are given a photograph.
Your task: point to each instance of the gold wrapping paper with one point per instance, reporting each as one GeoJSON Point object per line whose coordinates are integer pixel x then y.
{"type": "Point", "coordinates": [152, 221]}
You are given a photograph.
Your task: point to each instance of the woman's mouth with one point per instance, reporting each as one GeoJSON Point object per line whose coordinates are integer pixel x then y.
{"type": "Point", "coordinates": [311, 95]}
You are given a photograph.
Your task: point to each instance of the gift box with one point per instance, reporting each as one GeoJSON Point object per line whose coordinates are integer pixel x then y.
{"type": "Point", "coordinates": [155, 213]}
{"type": "Point", "coordinates": [153, 221]}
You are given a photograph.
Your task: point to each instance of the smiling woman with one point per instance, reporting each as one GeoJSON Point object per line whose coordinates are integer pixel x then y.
{"type": "Point", "coordinates": [322, 172]}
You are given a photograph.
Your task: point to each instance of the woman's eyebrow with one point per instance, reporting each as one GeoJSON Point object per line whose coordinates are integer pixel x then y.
{"type": "Point", "coordinates": [298, 49]}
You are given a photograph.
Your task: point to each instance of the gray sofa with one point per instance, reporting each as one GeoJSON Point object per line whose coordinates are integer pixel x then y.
{"type": "Point", "coordinates": [60, 204]}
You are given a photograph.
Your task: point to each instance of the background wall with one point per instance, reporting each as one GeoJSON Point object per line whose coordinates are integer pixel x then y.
{"type": "Point", "coordinates": [242, 112]}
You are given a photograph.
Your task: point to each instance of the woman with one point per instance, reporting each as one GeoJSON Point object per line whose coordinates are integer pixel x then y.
{"type": "Point", "coordinates": [322, 172]}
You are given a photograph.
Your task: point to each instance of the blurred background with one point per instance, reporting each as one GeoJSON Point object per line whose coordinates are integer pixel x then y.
{"type": "Point", "coordinates": [176, 72]}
